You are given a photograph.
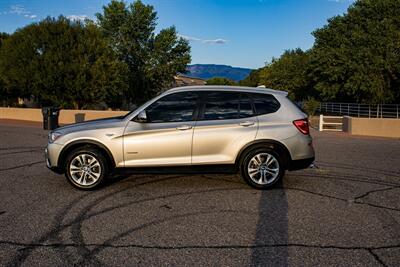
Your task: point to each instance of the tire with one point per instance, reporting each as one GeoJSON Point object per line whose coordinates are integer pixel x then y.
{"type": "Point", "coordinates": [86, 168]}
{"type": "Point", "coordinates": [262, 168]}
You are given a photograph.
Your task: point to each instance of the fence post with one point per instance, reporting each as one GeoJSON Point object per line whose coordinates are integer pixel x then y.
{"type": "Point", "coordinates": [348, 109]}
{"type": "Point", "coordinates": [321, 122]}
{"type": "Point", "coordinates": [369, 110]}
{"type": "Point", "coordinates": [359, 110]}
{"type": "Point", "coordinates": [397, 106]}
{"type": "Point", "coordinates": [377, 111]}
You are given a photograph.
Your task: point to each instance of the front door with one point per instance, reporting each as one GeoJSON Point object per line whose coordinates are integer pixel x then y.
{"type": "Point", "coordinates": [166, 137]}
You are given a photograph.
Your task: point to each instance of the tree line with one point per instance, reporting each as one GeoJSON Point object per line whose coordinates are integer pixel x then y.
{"type": "Point", "coordinates": [119, 59]}
{"type": "Point", "coordinates": [355, 58]}
{"type": "Point", "coordinates": [116, 61]}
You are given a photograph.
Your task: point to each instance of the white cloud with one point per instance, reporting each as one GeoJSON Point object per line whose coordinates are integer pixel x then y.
{"type": "Point", "coordinates": [189, 38]}
{"type": "Point", "coordinates": [215, 41]}
{"type": "Point", "coordinates": [77, 17]}
{"type": "Point", "coordinates": [19, 10]}
{"type": "Point", "coordinates": [30, 16]}
{"type": "Point", "coordinates": [204, 41]}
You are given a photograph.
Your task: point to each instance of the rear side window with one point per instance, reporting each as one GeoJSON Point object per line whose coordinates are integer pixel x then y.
{"type": "Point", "coordinates": [227, 106]}
{"type": "Point", "coordinates": [265, 104]}
{"type": "Point", "coordinates": [173, 108]}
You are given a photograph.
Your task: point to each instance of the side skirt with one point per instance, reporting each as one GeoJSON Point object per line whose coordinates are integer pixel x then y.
{"type": "Point", "coordinates": [197, 169]}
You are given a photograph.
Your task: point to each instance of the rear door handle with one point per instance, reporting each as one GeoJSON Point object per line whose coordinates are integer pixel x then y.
{"type": "Point", "coordinates": [246, 123]}
{"type": "Point", "coordinates": [184, 127]}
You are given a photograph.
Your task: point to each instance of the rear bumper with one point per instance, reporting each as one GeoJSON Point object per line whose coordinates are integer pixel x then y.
{"type": "Point", "coordinates": [300, 164]}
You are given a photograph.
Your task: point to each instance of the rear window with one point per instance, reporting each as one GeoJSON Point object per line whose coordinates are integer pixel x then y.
{"type": "Point", "coordinates": [265, 104]}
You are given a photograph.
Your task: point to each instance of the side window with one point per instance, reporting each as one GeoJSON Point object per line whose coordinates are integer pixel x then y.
{"type": "Point", "coordinates": [265, 104]}
{"type": "Point", "coordinates": [173, 108]}
{"type": "Point", "coordinates": [245, 108]}
{"type": "Point", "coordinates": [226, 106]}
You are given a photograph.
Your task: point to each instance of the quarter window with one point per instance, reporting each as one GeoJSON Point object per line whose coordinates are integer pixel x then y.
{"type": "Point", "coordinates": [173, 108]}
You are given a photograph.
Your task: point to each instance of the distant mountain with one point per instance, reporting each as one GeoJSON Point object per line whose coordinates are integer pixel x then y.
{"type": "Point", "coordinates": [207, 71]}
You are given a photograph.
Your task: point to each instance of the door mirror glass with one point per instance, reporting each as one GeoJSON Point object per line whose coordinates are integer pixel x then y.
{"type": "Point", "coordinates": [141, 117]}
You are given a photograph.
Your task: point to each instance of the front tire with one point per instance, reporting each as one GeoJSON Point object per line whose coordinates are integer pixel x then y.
{"type": "Point", "coordinates": [262, 168]}
{"type": "Point", "coordinates": [86, 168]}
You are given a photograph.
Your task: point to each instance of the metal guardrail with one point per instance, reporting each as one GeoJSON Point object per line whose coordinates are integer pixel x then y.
{"type": "Point", "coordinates": [360, 110]}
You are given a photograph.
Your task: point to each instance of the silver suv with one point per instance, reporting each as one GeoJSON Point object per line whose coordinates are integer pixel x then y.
{"type": "Point", "coordinates": [255, 131]}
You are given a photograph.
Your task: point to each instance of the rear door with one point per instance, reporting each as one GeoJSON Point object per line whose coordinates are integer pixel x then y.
{"type": "Point", "coordinates": [226, 123]}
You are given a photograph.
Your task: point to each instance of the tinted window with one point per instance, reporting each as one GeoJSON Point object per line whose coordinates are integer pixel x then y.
{"type": "Point", "coordinates": [265, 104]}
{"type": "Point", "coordinates": [245, 107]}
{"type": "Point", "coordinates": [227, 105]}
{"type": "Point", "coordinates": [173, 108]}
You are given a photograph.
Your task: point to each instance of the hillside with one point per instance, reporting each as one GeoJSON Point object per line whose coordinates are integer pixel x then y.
{"type": "Point", "coordinates": [207, 71]}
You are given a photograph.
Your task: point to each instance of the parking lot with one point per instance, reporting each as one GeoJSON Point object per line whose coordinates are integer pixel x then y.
{"type": "Point", "coordinates": [344, 213]}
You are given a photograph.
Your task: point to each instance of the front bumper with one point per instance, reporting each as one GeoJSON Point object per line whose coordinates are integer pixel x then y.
{"type": "Point", "coordinates": [51, 153]}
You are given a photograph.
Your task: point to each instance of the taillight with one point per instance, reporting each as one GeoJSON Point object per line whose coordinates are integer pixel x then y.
{"type": "Point", "coordinates": [302, 126]}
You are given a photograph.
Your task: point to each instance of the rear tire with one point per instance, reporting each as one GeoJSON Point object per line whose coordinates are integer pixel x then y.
{"type": "Point", "coordinates": [86, 168]}
{"type": "Point", "coordinates": [262, 168]}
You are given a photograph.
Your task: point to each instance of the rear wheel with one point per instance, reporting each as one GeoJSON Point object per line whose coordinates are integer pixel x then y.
{"type": "Point", "coordinates": [86, 168]}
{"type": "Point", "coordinates": [262, 168]}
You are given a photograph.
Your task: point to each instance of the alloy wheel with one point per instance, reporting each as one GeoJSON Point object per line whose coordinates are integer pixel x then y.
{"type": "Point", "coordinates": [263, 169]}
{"type": "Point", "coordinates": [85, 169]}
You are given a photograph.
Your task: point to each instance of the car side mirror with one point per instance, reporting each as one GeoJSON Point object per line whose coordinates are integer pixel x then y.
{"type": "Point", "coordinates": [141, 117]}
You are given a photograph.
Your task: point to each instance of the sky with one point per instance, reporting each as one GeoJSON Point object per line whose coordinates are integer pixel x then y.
{"type": "Point", "coordinates": [241, 33]}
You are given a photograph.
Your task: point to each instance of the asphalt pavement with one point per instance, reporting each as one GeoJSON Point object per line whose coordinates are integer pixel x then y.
{"type": "Point", "coordinates": [344, 213]}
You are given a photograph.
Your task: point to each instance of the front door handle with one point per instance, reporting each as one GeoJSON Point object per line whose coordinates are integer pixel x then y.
{"type": "Point", "coordinates": [246, 123]}
{"type": "Point", "coordinates": [184, 127]}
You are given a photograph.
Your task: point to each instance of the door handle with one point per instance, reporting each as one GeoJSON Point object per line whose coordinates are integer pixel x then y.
{"type": "Point", "coordinates": [246, 123]}
{"type": "Point", "coordinates": [184, 127]}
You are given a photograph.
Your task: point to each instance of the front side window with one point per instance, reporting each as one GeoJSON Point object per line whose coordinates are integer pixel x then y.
{"type": "Point", "coordinates": [227, 106]}
{"type": "Point", "coordinates": [265, 104]}
{"type": "Point", "coordinates": [176, 107]}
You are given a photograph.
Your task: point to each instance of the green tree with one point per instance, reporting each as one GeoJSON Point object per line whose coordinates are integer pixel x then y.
{"type": "Point", "coordinates": [152, 59]}
{"type": "Point", "coordinates": [253, 80]}
{"type": "Point", "coordinates": [63, 63]}
{"type": "Point", "coordinates": [288, 73]}
{"type": "Point", "coordinates": [356, 57]}
{"type": "Point", "coordinates": [3, 36]}
{"type": "Point", "coordinates": [3, 92]}
{"type": "Point", "coordinates": [220, 81]}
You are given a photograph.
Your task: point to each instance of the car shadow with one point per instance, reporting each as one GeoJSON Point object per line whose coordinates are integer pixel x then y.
{"type": "Point", "coordinates": [270, 245]}
{"type": "Point", "coordinates": [271, 237]}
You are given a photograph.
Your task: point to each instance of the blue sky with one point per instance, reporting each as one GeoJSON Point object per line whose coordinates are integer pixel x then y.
{"type": "Point", "coordinates": [243, 33]}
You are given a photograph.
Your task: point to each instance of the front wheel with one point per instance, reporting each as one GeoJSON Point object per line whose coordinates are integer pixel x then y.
{"type": "Point", "coordinates": [262, 168]}
{"type": "Point", "coordinates": [86, 168]}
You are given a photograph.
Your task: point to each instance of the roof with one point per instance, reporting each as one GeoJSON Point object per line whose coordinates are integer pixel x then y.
{"type": "Point", "coordinates": [228, 88]}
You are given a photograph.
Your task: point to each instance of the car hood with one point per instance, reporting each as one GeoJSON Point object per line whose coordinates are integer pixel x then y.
{"type": "Point", "coordinates": [91, 125]}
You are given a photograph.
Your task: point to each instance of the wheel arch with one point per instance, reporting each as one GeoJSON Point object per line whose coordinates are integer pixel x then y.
{"type": "Point", "coordinates": [82, 143]}
{"type": "Point", "coordinates": [272, 144]}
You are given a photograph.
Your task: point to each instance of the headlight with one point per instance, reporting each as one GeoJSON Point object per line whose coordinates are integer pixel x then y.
{"type": "Point", "coordinates": [53, 136]}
